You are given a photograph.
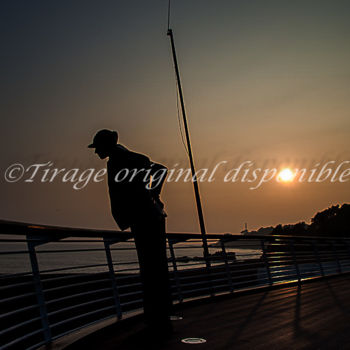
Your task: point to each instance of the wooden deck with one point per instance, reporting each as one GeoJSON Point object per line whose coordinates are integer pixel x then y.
{"type": "Point", "coordinates": [313, 316]}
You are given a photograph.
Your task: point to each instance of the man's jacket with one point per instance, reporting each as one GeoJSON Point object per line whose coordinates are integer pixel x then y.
{"type": "Point", "coordinates": [128, 175]}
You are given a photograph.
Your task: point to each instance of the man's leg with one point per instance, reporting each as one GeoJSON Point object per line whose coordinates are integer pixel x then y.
{"type": "Point", "coordinates": [150, 243]}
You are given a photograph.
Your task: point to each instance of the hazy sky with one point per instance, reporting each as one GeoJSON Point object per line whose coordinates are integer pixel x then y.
{"type": "Point", "coordinates": [265, 81]}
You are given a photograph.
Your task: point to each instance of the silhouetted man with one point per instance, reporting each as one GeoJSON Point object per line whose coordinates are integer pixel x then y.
{"type": "Point", "coordinates": [134, 187]}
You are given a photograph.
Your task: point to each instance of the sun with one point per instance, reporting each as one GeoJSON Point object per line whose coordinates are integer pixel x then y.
{"type": "Point", "coordinates": [285, 175]}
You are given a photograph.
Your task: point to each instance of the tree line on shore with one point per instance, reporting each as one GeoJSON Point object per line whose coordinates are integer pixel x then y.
{"type": "Point", "coordinates": [332, 222]}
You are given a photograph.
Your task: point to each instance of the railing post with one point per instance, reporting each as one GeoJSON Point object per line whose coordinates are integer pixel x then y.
{"type": "Point", "coordinates": [266, 261]}
{"type": "Point", "coordinates": [176, 276]}
{"type": "Point", "coordinates": [336, 258]}
{"type": "Point", "coordinates": [107, 242]}
{"type": "Point", "coordinates": [291, 245]}
{"type": "Point", "coordinates": [39, 288]}
{"type": "Point", "coordinates": [208, 272]}
{"type": "Point", "coordinates": [229, 277]}
{"type": "Point", "coordinates": [348, 247]}
{"type": "Point", "coordinates": [318, 258]}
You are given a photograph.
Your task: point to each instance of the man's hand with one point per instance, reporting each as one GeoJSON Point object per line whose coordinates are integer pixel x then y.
{"type": "Point", "coordinates": [159, 205]}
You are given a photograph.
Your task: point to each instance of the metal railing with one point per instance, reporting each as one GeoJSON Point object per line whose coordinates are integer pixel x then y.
{"type": "Point", "coordinates": [57, 280]}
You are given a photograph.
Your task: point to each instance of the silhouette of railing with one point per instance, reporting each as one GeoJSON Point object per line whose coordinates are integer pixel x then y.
{"type": "Point", "coordinates": [56, 280]}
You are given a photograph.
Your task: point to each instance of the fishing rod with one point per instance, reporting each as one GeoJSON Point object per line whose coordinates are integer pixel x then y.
{"type": "Point", "coordinates": [189, 148]}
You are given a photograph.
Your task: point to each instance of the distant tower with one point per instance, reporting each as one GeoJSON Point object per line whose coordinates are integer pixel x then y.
{"type": "Point", "coordinates": [245, 231]}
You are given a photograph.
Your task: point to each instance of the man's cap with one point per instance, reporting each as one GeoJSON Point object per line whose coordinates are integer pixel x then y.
{"type": "Point", "coordinates": [104, 137]}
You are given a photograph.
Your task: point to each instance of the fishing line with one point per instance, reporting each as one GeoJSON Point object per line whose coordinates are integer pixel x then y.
{"type": "Point", "coordinates": [169, 5]}
{"type": "Point", "coordinates": [177, 92]}
{"type": "Point", "coordinates": [179, 119]}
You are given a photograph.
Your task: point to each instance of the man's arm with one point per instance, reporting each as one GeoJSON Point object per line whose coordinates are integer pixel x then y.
{"type": "Point", "coordinates": [158, 173]}
{"type": "Point", "coordinates": [118, 199]}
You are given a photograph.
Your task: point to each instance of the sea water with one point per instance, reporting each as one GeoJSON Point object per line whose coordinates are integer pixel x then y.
{"type": "Point", "coordinates": [81, 256]}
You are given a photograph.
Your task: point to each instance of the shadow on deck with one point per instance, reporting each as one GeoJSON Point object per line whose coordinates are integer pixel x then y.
{"type": "Point", "coordinates": [315, 315]}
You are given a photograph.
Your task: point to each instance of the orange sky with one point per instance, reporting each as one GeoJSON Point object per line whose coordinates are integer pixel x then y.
{"type": "Point", "coordinates": [263, 81]}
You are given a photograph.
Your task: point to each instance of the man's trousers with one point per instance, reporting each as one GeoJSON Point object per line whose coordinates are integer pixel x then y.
{"type": "Point", "coordinates": [150, 241]}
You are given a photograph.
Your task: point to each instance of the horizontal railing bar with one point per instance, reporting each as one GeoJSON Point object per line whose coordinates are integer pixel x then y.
{"type": "Point", "coordinates": [37, 345]}
{"type": "Point", "coordinates": [15, 252]}
{"type": "Point", "coordinates": [240, 264]}
{"type": "Point", "coordinates": [219, 280]}
{"type": "Point", "coordinates": [343, 255]}
{"type": "Point", "coordinates": [125, 263]}
{"type": "Point", "coordinates": [325, 268]}
{"type": "Point", "coordinates": [191, 264]}
{"type": "Point", "coordinates": [274, 269]}
{"type": "Point", "coordinates": [309, 272]}
{"type": "Point", "coordinates": [190, 246]}
{"type": "Point", "coordinates": [301, 258]}
{"type": "Point", "coordinates": [72, 268]}
{"type": "Point", "coordinates": [240, 277]}
{"type": "Point", "coordinates": [123, 270]}
{"type": "Point", "coordinates": [16, 228]}
{"type": "Point", "coordinates": [126, 277]}
{"type": "Point", "coordinates": [19, 339]}
{"type": "Point", "coordinates": [131, 285]}
{"type": "Point", "coordinates": [52, 301]}
{"type": "Point", "coordinates": [246, 270]}
{"type": "Point", "coordinates": [18, 325]}
{"type": "Point", "coordinates": [258, 252]}
{"type": "Point", "coordinates": [68, 276]}
{"type": "Point", "coordinates": [246, 244]}
{"type": "Point", "coordinates": [194, 283]}
{"type": "Point", "coordinates": [277, 283]}
{"type": "Point", "coordinates": [76, 285]}
{"type": "Point", "coordinates": [16, 285]}
{"type": "Point", "coordinates": [83, 249]}
{"type": "Point", "coordinates": [63, 240]}
{"type": "Point", "coordinates": [17, 297]}
{"type": "Point", "coordinates": [245, 282]}
{"type": "Point", "coordinates": [11, 313]}
{"type": "Point", "coordinates": [81, 316]}
{"type": "Point", "coordinates": [306, 258]}
{"type": "Point", "coordinates": [184, 292]}
{"type": "Point", "coordinates": [263, 279]}
{"type": "Point", "coordinates": [191, 277]}
{"type": "Point", "coordinates": [279, 266]}
{"type": "Point", "coordinates": [79, 305]}
{"type": "Point", "coordinates": [130, 294]}
{"type": "Point", "coordinates": [15, 275]}
{"type": "Point", "coordinates": [52, 251]}
{"type": "Point", "coordinates": [218, 274]}
{"type": "Point", "coordinates": [213, 280]}
{"type": "Point", "coordinates": [127, 303]}
{"type": "Point", "coordinates": [220, 286]}
{"type": "Point", "coordinates": [303, 253]}
{"type": "Point", "coordinates": [282, 276]}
